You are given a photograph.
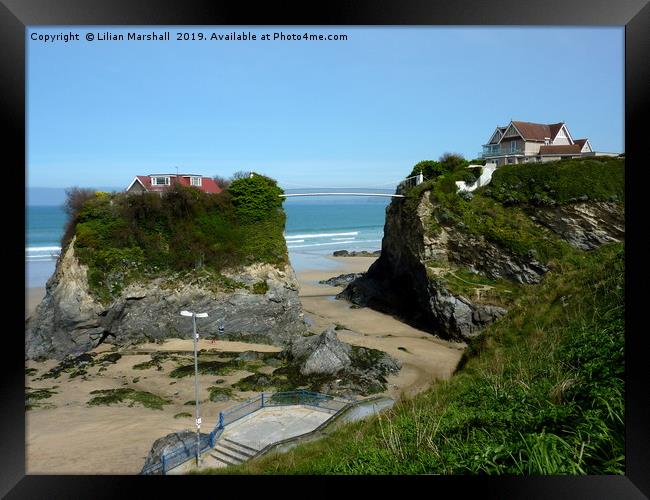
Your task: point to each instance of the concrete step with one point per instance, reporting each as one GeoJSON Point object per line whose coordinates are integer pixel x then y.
{"type": "Point", "coordinates": [244, 446]}
{"type": "Point", "coordinates": [243, 452]}
{"type": "Point", "coordinates": [229, 455]}
{"type": "Point", "coordinates": [221, 457]}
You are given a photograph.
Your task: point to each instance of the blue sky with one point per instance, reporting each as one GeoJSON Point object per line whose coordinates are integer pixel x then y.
{"type": "Point", "coordinates": [315, 113]}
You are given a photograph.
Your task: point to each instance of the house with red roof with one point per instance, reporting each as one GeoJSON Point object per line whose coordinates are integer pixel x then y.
{"type": "Point", "coordinates": [159, 183]}
{"type": "Point", "coordinates": [523, 142]}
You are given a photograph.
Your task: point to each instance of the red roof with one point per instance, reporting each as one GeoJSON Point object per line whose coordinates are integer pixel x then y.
{"type": "Point", "coordinates": [207, 184]}
{"type": "Point", "coordinates": [538, 131]}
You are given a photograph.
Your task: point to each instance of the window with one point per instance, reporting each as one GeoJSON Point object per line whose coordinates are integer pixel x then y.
{"type": "Point", "coordinates": [160, 181]}
{"type": "Point", "coordinates": [195, 181]}
{"type": "Point", "coordinates": [513, 146]}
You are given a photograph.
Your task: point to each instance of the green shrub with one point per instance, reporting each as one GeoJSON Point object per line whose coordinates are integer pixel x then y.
{"type": "Point", "coordinates": [595, 179]}
{"type": "Point", "coordinates": [261, 287]}
{"type": "Point", "coordinates": [255, 198]}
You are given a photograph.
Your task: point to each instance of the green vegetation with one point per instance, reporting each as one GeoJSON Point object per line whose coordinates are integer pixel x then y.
{"type": "Point", "coordinates": [111, 357]}
{"type": "Point", "coordinates": [30, 371]}
{"type": "Point", "coordinates": [540, 392]}
{"type": "Point", "coordinates": [183, 414]}
{"type": "Point", "coordinates": [261, 287]}
{"type": "Point", "coordinates": [508, 227]}
{"type": "Point", "coordinates": [447, 163]}
{"type": "Point", "coordinates": [204, 368]}
{"type": "Point", "coordinates": [497, 212]}
{"type": "Point", "coordinates": [113, 396]}
{"type": "Point", "coordinates": [599, 178]}
{"type": "Point", "coordinates": [34, 397]}
{"type": "Point", "coordinates": [480, 289]}
{"type": "Point", "coordinates": [220, 393]}
{"type": "Point", "coordinates": [74, 366]}
{"type": "Point", "coordinates": [183, 233]}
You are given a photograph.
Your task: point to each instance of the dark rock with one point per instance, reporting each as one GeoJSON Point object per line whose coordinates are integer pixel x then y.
{"type": "Point", "coordinates": [183, 443]}
{"type": "Point", "coordinates": [322, 354]}
{"type": "Point", "coordinates": [584, 225]}
{"type": "Point", "coordinates": [356, 253]}
{"type": "Point", "coordinates": [342, 279]}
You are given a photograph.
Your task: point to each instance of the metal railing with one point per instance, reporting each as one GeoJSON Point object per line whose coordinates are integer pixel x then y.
{"type": "Point", "coordinates": [173, 459]}
{"type": "Point", "coordinates": [409, 183]}
{"type": "Point", "coordinates": [181, 455]}
{"type": "Point", "coordinates": [499, 152]}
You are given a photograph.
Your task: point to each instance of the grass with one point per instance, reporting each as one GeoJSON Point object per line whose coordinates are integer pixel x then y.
{"type": "Point", "coordinates": [508, 227]}
{"type": "Point", "coordinates": [183, 414]}
{"type": "Point", "coordinates": [113, 396]}
{"type": "Point", "coordinates": [481, 289]}
{"type": "Point", "coordinates": [540, 392]}
{"type": "Point", "coordinates": [600, 178]}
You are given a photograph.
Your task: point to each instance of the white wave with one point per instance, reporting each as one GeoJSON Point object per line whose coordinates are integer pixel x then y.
{"type": "Point", "coordinates": [321, 235]}
{"type": "Point", "coordinates": [329, 243]}
{"type": "Point", "coordinates": [343, 239]}
{"type": "Point", "coordinates": [41, 258]}
{"type": "Point", "coordinates": [42, 249]}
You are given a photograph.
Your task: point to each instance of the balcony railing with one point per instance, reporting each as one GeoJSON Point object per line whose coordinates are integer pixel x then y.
{"type": "Point", "coordinates": [499, 152]}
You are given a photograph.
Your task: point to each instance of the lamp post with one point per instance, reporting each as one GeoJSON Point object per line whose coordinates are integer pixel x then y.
{"type": "Point", "coordinates": [195, 315]}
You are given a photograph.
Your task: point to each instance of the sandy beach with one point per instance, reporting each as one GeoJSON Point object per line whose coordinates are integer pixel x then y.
{"type": "Point", "coordinates": [33, 297]}
{"type": "Point", "coordinates": [424, 357]}
{"type": "Point", "coordinates": [64, 435]}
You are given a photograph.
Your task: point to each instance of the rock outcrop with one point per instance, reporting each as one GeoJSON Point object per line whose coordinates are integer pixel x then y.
{"type": "Point", "coordinates": [70, 320]}
{"type": "Point", "coordinates": [176, 446]}
{"type": "Point", "coordinates": [400, 283]}
{"type": "Point", "coordinates": [340, 368]}
{"type": "Point", "coordinates": [356, 253]}
{"type": "Point", "coordinates": [584, 225]}
{"type": "Point", "coordinates": [342, 279]}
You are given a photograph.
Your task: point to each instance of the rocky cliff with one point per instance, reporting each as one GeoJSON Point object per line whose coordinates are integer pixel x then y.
{"type": "Point", "coordinates": [426, 247]}
{"type": "Point", "coordinates": [70, 320]}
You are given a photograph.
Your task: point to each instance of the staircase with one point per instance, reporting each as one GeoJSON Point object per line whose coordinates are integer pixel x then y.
{"type": "Point", "coordinates": [232, 453]}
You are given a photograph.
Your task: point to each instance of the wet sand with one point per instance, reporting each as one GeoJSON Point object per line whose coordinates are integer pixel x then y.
{"type": "Point", "coordinates": [66, 436]}
{"type": "Point", "coordinates": [33, 297]}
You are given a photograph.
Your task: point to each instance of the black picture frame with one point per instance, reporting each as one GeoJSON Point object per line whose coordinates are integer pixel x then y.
{"type": "Point", "coordinates": [16, 15]}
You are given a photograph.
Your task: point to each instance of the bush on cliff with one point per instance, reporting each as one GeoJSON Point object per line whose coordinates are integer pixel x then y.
{"type": "Point", "coordinates": [447, 163]}
{"type": "Point", "coordinates": [123, 237]}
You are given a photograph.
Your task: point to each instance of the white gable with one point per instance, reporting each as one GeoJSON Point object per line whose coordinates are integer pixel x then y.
{"type": "Point", "coordinates": [563, 137]}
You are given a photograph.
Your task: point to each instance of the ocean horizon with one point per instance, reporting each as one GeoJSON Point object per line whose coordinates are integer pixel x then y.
{"type": "Point", "coordinates": [315, 228]}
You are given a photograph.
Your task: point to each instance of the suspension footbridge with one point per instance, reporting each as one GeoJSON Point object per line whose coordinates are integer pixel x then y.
{"type": "Point", "coordinates": [399, 188]}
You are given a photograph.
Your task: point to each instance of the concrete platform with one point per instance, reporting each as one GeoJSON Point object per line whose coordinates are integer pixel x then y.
{"type": "Point", "coordinates": [272, 424]}
{"type": "Point", "coordinates": [257, 430]}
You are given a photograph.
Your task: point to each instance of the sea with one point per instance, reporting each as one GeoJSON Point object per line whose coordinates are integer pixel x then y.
{"type": "Point", "coordinates": [315, 227]}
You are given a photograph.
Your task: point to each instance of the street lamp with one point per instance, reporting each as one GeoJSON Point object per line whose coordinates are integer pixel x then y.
{"type": "Point", "coordinates": [195, 315]}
